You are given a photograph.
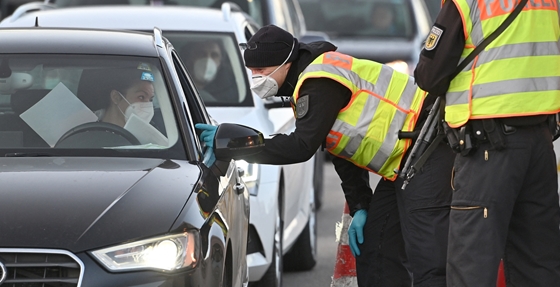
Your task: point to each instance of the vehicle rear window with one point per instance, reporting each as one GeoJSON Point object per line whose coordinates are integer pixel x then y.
{"type": "Point", "coordinates": [86, 102]}
{"type": "Point", "coordinates": [360, 18]}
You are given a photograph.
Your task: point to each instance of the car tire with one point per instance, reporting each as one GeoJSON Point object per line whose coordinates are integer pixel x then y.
{"type": "Point", "coordinates": [273, 276]}
{"type": "Point", "coordinates": [303, 255]}
{"type": "Point", "coordinates": [318, 179]}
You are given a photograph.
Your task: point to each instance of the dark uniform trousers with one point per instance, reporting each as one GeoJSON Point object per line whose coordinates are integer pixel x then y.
{"type": "Point", "coordinates": [420, 215]}
{"type": "Point", "coordinates": [505, 205]}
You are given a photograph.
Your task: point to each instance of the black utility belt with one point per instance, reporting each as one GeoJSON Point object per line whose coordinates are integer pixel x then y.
{"type": "Point", "coordinates": [524, 121]}
{"type": "Point", "coordinates": [465, 139]}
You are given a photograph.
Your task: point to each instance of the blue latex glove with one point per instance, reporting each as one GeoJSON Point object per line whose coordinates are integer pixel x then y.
{"type": "Point", "coordinates": [209, 157]}
{"type": "Point", "coordinates": [207, 136]}
{"type": "Point", "coordinates": [356, 231]}
{"type": "Point", "coordinates": [208, 133]}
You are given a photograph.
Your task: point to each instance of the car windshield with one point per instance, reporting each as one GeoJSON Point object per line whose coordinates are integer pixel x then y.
{"type": "Point", "coordinates": [214, 62]}
{"type": "Point", "coordinates": [360, 18]}
{"type": "Point", "coordinates": [252, 7]}
{"type": "Point", "coordinates": [110, 104]}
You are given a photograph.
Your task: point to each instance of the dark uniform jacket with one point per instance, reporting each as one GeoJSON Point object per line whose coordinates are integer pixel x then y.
{"type": "Point", "coordinates": [435, 67]}
{"type": "Point", "coordinates": [433, 71]}
{"type": "Point", "coordinates": [326, 98]}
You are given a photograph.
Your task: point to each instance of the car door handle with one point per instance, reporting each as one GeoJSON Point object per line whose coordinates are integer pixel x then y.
{"type": "Point", "coordinates": [240, 172]}
{"type": "Point", "coordinates": [239, 188]}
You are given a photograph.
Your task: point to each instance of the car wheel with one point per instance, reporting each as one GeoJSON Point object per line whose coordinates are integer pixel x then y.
{"type": "Point", "coordinates": [318, 179]}
{"type": "Point", "coordinates": [303, 256]}
{"type": "Point", "coordinates": [273, 276]}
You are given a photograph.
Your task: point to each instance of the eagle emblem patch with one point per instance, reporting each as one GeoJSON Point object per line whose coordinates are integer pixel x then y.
{"type": "Point", "coordinates": [433, 38]}
{"type": "Point", "coordinates": [302, 106]}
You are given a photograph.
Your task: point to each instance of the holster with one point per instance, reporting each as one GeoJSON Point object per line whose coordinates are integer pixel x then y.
{"type": "Point", "coordinates": [452, 137]}
{"type": "Point", "coordinates": [465, 140]}
{"type": "Point", "coordinates": [494, 133]}
{"type": "Point", "coordinates": [459, 139]}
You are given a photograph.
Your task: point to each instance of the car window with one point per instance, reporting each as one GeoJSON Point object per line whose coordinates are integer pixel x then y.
{"type": "Point", "coordinates": [433, 7]}
{"type": "Point", "coordinates": [89, 102]}
{"type": "Point", "coordinates": [293, 15]}
{"type": "Point", "coordinates": [360, 18]}
{"type": "Point", "coordinates": [214, 62]}
{"type": "Point", "coordinates": [255, 8]}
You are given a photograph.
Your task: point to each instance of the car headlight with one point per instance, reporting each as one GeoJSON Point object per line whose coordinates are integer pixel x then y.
{"type": "Point", "coordinates": [166, 253]}
{"type": "Point", "coordinates": [250, 175]}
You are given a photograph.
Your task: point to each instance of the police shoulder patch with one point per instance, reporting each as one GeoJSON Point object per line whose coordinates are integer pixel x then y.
{"type": "Point", "coordinates": [302, 106]}
{"type": "Point", "coordinates": [433, 38]}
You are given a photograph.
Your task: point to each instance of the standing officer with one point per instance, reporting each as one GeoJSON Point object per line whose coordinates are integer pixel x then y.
{"type": "Point", "coordinates": [505, 199]}
{"type": "Point", "coordinates": [356, 107]}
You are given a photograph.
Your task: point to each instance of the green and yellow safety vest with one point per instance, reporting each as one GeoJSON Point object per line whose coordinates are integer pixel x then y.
{"type": "Point", "coordinates": [518, 74]}
{"type": "Point", "coordinates": [383, 102]}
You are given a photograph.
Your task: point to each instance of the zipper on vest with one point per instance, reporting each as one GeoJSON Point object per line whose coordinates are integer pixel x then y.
{"type": "Point", "coordinates": [466, 208]}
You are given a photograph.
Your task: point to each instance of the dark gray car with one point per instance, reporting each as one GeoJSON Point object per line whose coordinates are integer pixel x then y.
{"type": "Point", "coordinates": [103, 179]}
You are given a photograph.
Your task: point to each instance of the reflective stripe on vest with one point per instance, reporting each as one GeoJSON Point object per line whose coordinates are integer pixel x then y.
{"type": "Point", "coordinates": [518, 74]}
{"type": "Point", "coordinates": [383, 102]}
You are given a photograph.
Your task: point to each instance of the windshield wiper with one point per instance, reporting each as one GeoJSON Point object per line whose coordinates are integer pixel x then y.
{"type": "Point", "coordinates": [27, 154]}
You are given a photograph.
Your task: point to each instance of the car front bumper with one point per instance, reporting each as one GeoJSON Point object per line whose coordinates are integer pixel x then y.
{"type": "Point", "coordinates": [37, 266]}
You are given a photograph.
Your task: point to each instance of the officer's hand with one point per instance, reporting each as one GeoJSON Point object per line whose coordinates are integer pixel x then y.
{"type": "Point", "coordinates": [208, 133]}
{"type": "Point", "coordinates": [356, 231]}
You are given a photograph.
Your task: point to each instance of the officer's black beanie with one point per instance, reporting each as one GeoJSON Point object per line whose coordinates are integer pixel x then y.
{"type": "Point", "coordinates": [269, 47]}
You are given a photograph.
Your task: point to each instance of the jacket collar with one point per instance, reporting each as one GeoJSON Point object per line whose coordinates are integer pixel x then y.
{"type": "Point", "coordinates": [306, 54]}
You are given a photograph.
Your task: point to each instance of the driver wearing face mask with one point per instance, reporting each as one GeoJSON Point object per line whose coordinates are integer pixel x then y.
{"type": "Point", "coordinates": [132, 95]}
{"type": "Point", "coordinates": [203, 60]}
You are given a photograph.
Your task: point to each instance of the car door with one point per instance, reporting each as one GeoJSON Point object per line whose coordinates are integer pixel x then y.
{"type": "Point", "coordinates": [233, 205]}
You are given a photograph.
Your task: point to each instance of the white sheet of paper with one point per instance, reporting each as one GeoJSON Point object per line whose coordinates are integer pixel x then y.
{"type": "Point", "coordinates": [56, 113]}
{"type": "Point", "coordinates": [144, 132]}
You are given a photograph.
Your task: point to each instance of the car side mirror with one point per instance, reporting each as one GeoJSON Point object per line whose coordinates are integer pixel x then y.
{"type": "Point", "coordinates": [235, 141]}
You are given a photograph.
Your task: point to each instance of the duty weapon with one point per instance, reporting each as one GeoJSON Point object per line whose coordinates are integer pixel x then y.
{"type": "Point", "coordinates": [429, 137]}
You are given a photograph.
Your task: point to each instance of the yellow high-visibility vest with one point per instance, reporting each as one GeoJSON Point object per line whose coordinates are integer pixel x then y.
{"type": "Point", "coordinates": [517, 74]}
{"type": "Point", "coordinates": [383, 102]}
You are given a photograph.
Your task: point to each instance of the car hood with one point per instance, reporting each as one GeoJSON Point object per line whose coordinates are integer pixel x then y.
{"type": "Point", "coordinates": [84, 203]}
{"type": "Point", "coordinates": [380, 50]}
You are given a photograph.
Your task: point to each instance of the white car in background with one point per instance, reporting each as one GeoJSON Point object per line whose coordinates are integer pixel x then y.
{"type": "Point", "coordinates": [282, 218]}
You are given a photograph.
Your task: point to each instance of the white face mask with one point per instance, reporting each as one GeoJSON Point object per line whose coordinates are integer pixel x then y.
{"type": "Point", "coordinates": [265, 86]}
{"type": "Point", "coordinates": [205, 69]}
{"type": "Point", "coordinates": [143, 110]}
